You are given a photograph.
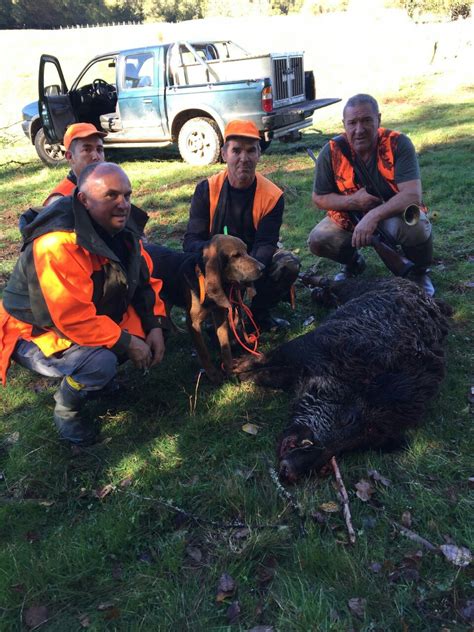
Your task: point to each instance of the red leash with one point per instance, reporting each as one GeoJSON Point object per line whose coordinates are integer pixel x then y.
{"type": "Point", "coordinates": [237, 308]}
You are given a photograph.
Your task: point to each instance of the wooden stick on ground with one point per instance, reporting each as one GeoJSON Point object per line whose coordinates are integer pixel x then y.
{"type": "Point", "coordinates": [345, 500]}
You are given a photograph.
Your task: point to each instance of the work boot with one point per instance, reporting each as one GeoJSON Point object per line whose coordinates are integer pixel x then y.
{"type": "Point", "coordinates": [67, 417]}
{"type": "Point", "coordinates": [421, 277]}
{"type": "Point", "coordinates": [352, 269]}
{"type": "Point", "coordinates": [266, 322]}
{"type": "Point", "coordinates": [422, 256]}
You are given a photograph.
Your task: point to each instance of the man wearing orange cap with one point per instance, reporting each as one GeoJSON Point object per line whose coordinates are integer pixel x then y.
{"type": "Point", "coordinates": [240, 202]}
{"type": "Point", "coordinates": [84, 145]}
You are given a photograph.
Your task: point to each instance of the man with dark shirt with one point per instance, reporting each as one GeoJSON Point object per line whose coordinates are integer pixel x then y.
{"type": "Point", "coordinates": [240, 202]}
{"type": "Point", "coordinates": [394, 177]}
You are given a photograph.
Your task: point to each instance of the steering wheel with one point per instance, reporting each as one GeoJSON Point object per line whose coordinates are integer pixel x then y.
{"type": "Point", "coordinates": [103, 89]}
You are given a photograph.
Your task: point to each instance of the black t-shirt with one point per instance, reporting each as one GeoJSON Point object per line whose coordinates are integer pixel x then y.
{"type": "Point", "coordinates": [406, 169]}
{"type": "Point", "coordinates": [238, 218]}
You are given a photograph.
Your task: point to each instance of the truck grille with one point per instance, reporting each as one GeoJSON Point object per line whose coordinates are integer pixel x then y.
{"type": "Point", "coordinates": [288, 79]}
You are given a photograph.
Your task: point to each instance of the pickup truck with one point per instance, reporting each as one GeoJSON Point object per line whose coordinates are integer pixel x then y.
{"type": "Point", "coordinates": [181, 92]}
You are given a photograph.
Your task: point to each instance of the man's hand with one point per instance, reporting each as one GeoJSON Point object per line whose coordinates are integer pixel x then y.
{"type": "Point", "coordinates": [139, 352]}
{"type": "Point", "coordinates": [364, 230]}
{"type": "Point", "coordinates": [156, 343]}
{"type": "Point", "coordinates": [363, 201]}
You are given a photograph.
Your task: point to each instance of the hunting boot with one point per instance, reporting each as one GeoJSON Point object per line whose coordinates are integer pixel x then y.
{"type": "Point", "coordinates": [352, 269]}
{"type": "Point", "coordinates": [67, 415]}
{"type": "Point", "coordinates": [422, 256]}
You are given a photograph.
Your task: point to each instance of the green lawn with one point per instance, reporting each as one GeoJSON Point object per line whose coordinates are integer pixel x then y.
{"type": "Point", "coordinates": [120, 558]}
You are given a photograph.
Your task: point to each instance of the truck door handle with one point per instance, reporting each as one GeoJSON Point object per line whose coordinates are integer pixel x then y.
{"type": "Point", "coordinates": [147, 101]}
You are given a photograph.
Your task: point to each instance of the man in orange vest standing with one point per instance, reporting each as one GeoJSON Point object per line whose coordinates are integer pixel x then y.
{"type": "Point", "coordinates": [84, 145]}
{"type": "Point", "coordinates": [372, 172]}
{"type": "Point", "coordinates": [242, 203]}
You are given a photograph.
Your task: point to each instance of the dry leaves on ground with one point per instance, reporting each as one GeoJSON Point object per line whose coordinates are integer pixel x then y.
{"type": "Point", "coordinates": [225, 588]}
{"type": "Point", "coordinates": [34, 616]}
{"type": "Point", "coordinates": [364, 490]}
{"type": "Point", "coordinates": [357, 606]}
{"type": "Point", "coordinates": [457, 555]}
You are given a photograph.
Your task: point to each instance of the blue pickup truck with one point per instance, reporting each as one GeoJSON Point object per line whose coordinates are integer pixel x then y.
{"type": "Point", "coordinates": [181, 92]}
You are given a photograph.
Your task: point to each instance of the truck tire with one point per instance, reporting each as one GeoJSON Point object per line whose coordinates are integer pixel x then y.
{"type": "Point", "coordinates": [50, 154]}
{"type": "Point", "coordinates": [199, 141]}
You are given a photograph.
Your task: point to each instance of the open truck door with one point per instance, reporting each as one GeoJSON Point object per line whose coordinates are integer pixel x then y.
{"type": "Point", "coordinates": [54, 103]}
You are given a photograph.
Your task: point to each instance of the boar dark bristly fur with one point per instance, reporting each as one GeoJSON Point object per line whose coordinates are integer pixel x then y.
{"type": "Point", "coordinates": [363, 376]}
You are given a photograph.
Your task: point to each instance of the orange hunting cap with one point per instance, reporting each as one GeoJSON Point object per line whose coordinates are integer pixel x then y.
{"type": "Point", "coordinates": [80, 130]}
{"type": "Point", "coordinates": [244, 129]}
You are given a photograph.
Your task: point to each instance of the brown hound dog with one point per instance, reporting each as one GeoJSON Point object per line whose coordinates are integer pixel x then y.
{"type": "Point", "coordinates": [201, 285]}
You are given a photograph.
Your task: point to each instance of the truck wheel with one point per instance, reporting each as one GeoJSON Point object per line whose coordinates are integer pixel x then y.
{"type": "Point", "coordinates": [199, 141]}
{"type": "Point", "coordinates": [50, 154]}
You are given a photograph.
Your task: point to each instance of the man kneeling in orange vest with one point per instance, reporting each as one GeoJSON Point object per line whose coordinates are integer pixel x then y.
{"type": "Point", "coordinates": [242, 203]}
{"type": "Point", "coordinates": [81, 299]}
{"type": "Point", "coordinates": [372, 173]}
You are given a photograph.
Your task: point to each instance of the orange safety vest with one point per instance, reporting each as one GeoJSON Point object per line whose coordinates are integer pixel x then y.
{"type": "Point", "coordinates": [65, 187]}
{"type": "Point", "coordinates": [344, 173]}
{"type": "Point", "coordinates": [70, 302]}
{"type": "Point", "coordinates": [266, 196]}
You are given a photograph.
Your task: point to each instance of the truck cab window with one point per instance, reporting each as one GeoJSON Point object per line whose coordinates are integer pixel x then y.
{"type": "Point", "coordinates": [138, 71]}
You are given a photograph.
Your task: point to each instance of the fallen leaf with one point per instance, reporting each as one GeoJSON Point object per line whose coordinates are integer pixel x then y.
{"type": "Point", "coordinates": [106, 605]}
{"type": "Point", "coordinates": [32, 537]}
{"type": "Point", "coordinates": [404, 573]}
{"type": "Point", "coordinates": [364, 490]}
{"type": "Point", "coordinates": [245, 472]}
{"type": "Point", "coordinates": [309, 321]}
{"type": "Point", "coordinates": [357, 606]}
{"type": "Point", "coordinates": [84, 620]}
{"type": "Point", "coordinates": [467, 611]}
{"type": "Point", "coordinates": [117, 571]}
{"type": "Point", "coordinates": [329, 507]}
{"type": "Point", "coordinates": [334, 615]}
{"type": "Point", "coordinates": [111, 614]}
{"type": "Point", "coordinates": [12, 438]}
{"type": "Point", "coordinates": [194, 553]}
{"type": "Point", "coordinates": [126, 482]}
{"type": "Point", "coordinates": [251, 429]}
{"type": "Point", "coordinates": [469, 285]}
{"type": "Point", "coordinates": [146, 557]}
{"type": "Point", "coordinates": [457, 555]}
{"type": "Point", "coordinates": [35, 616]}
{"type": "Point", "coordinates": [102, 492]}
{"type": "Point", "coordinates": [379, 478]}
{"type": "Point", "coordinates": [225, 587]}
{"type": "Point", "coordinates": [46, 503]}
{"type": "Point", "coordinates": [233, 612]}
{"type": "Point", "coordinates": [318, 517]}
{"type": "Point", "coordinates": [240, 534]}
{"type": "Point", "coordinates": [406, 519]}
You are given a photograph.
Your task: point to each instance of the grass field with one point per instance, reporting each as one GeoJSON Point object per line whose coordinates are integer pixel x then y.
{"type": "Point", "coordinates": [108, 539]}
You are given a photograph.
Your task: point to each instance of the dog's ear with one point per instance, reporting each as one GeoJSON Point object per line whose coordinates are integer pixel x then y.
{"type": "Point", "coordinates": [213, 275]}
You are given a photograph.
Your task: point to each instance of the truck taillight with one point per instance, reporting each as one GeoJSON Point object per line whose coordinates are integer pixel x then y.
{"type": "Point", "coordinates": [267, 99]}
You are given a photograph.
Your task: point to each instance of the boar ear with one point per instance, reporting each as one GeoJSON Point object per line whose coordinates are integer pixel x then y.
{"type": "Point", "coordinates": [288, 443]}
{"type": "Point", "coordinates": [213, 275]}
